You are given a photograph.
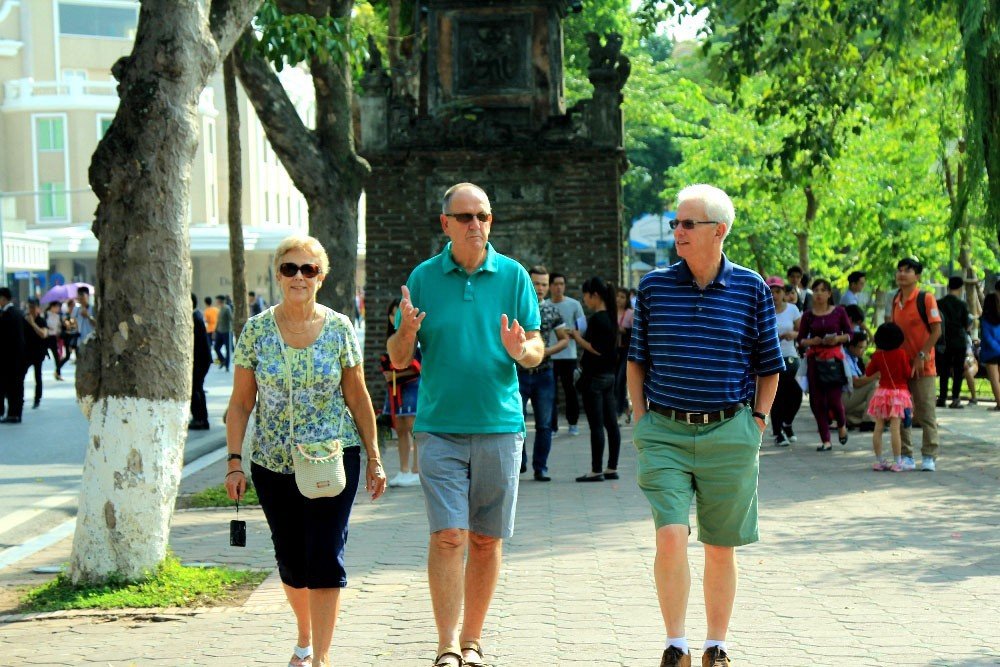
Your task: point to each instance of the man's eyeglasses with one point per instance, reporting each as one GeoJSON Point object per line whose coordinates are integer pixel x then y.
{"type": "Point", "coordinates": [690, 224]}
{"type": "Point", "coordinates": [288, 269]}
{"type": "Point", "coordinates": [466, 218]}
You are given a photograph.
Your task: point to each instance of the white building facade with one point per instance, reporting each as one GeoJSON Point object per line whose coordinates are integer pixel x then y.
{"type": "Point", "coordinates": [59, 98]}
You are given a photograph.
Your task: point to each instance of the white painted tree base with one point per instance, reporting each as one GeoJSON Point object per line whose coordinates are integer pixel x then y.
{"type": "Point", "coordinates": [131, 475]}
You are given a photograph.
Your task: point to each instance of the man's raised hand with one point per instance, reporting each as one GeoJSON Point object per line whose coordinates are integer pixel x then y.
{"type": "Point", "coordinates": [410, 316]}
{"type": "Point", "coordinates": [513, 337]}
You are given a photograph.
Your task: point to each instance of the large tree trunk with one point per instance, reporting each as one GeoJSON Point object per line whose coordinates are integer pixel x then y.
{"type": "Point", "coordinates": [139, 385]}
{"type": "Point", "coordinates": [953, 186]}
{"type": "Point", "coordinates": [978, 22]}
{"type": "Point", "coordinates": [803, 237]}
{"type": "Point", "coordinates": [234, 159]}
{"type": "Point", "coordinates": [322, 162]}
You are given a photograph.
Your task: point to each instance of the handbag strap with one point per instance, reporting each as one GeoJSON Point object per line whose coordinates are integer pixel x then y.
{"type": "Point", "coordinates": [885, 364]}
{"type": "Point", "coordinates": [288, 377]}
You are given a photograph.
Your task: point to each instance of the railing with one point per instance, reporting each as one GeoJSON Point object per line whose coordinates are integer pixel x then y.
{"type": "Point", "coordinates": [25, 88]}
{"type": "Point", "coordinates": [28, 93]}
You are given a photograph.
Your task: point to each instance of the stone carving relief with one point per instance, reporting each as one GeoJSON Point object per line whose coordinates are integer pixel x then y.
{"type": "Point", "coordinates": [491, 56]}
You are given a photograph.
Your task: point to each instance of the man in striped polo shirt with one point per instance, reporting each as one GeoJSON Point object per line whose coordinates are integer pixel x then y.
{"type": "Point", "coordinates": [702, 373]}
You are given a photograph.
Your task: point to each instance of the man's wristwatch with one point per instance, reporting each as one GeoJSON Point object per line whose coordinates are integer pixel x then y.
{"type": "Point", "coordinates": [234, 457]}
{"type": "Point", "coordinates": [761, 416]}
{"type": "Point", "coordinates": [921, 354]}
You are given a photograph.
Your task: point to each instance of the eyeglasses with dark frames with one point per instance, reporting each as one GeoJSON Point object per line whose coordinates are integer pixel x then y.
{"type": "Point", "coordinates": [690, 224]}
{"type": "Point", "coordinates": [466, 218]}
{"type": "Point", "coordinates": [289, 270]}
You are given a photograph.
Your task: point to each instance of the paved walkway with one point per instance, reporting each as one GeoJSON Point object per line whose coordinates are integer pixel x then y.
{"type": "Point", "coordinates": [41, 459]}
{"type": "Point", "coordinates": [854, 568]}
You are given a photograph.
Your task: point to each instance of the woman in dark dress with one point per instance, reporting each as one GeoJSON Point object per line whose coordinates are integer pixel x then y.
{"type": "Point", "coordinates": [597, 381]}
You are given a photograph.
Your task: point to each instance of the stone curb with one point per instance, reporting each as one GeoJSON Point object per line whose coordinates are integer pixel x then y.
{"type": "Point", "coordinates": [151, 614]}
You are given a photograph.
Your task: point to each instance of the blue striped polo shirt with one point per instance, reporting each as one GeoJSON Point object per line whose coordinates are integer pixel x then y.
{"type": "Point", "coordinates": [704, 348]}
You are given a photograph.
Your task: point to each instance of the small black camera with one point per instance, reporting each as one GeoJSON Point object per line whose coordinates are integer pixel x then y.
{"type": "Point", "coordinates": [237, 533]}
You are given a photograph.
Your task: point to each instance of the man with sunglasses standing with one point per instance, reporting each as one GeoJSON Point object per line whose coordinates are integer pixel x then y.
{"type": "Point", "coordinates": [476, 316]}
{"type": "Point", "coordinates": [702, 374]}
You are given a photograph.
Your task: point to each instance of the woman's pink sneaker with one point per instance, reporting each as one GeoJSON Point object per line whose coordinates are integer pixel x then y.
{"type": "Point", "coordinates": [895, 467]}
{"type": "Point", "coordinates": [881, 465]}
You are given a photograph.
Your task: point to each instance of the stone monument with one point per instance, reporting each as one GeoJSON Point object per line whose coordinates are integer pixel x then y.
{"type": "Point", "coordinates": [492, 110]}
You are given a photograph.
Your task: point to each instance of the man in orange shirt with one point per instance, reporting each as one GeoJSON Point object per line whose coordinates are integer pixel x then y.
{"type": "Point", "coordinates": [920, 334]}
{"type": "Point", "coordinates": [211, 319]}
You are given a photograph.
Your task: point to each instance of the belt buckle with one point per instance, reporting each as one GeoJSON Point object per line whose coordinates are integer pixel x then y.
{"type": "Point", "coordinates": [703, 415]}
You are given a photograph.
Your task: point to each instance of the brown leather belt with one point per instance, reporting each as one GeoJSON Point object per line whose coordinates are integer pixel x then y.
{"type": "Point", "coordinates": [698, 418]}
{"type": "Point", "coordinates": [534, 370]}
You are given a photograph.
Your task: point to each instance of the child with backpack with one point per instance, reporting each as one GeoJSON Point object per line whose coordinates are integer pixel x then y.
{"type": "Point", "coordinates": [891, 400]}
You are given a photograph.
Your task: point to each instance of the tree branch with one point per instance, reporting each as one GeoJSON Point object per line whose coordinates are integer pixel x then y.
{"type": "Point", "coordinates": [227, 19]}
{"type": "Point", "coordinates": [294, 143]}
{"type": "Point", "coordinates": [315, 8]}
{"type": "Point", "coordinates": [334, 124]}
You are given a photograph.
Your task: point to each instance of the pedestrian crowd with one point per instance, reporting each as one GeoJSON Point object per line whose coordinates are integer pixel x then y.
{"type": "Point", "coordinates": [923, 347]}
{"type": "Point", "coordinates": [53, 329]}
{"type": "Point", "coordinates": [702, 357]}
{"type": "Point", "coordinates": [56, 329]}
{"type": "Point", "coordinates": [471, 312]}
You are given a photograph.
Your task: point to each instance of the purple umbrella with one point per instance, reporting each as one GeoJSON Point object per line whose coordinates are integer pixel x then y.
{"type": "Point", "coordinates": [64, 292]}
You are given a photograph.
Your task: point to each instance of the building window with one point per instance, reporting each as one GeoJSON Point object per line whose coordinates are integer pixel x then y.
{"type": "Point", "coordinates": [96, 21]}
{"type": "Point", "coordinates": [52, 201]}
{"type": "Point", "coordinates": [211, 138]}
{"type": "Point", "coordinates": [50, 134]}
{"type": "Point", "coordinates": [71, 75]}
{"type": "Point", "coordinates": [103, 124]}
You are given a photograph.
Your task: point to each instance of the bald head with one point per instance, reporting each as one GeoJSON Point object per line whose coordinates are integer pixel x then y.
{"type": "Point", "coordinates": [459, 187]}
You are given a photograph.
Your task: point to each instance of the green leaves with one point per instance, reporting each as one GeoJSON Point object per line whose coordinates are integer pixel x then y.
{"type": "Point", "coordinates": [291, 39]}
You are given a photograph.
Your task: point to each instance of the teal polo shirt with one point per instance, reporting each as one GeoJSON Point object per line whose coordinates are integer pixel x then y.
{"type": "Point", "coordinates": [468, 382]}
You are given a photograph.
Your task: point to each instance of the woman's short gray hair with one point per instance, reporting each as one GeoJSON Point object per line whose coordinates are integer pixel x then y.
{"type": "Point", "coordinates": [306, 244]}
{"type": "Point", "coordinates": [718, 205]}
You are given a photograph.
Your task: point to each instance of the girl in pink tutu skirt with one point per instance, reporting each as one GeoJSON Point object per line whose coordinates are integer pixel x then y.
{"type": "Point", "coordinates": [892, 397]}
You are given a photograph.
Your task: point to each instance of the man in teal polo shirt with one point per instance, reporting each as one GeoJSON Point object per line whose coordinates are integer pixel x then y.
{"type": "Point", "coordinates": [474, 313]}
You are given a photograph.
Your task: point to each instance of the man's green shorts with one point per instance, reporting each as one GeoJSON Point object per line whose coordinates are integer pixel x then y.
{"type": "Point", "coordinates": [715, 463]}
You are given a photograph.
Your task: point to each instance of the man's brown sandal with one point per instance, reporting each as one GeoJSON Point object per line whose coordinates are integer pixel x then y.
{"type": "Point", "coordinates": [441, 660]}
{"type": "Point", "coordinates": [474, 646]}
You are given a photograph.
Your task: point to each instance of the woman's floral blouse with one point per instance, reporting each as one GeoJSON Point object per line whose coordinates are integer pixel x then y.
{"type": "Point", "coordinates": [315, 373]}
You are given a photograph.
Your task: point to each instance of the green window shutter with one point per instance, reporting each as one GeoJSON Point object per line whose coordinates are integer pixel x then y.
{"type": "Point", "coordinates": [50, 134]}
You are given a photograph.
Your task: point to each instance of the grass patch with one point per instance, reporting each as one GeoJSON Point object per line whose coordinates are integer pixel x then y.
{"type": "Point", "coordinates": [216, 496]}
{"type": "Point", "coordinates": [171, 585]}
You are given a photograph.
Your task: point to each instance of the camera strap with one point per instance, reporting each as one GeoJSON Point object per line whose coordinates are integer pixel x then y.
{"type": "Point", "coordinates": [237, 509]}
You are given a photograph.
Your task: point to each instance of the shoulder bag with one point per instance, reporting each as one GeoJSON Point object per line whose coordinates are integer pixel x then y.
{"type": "Point", "coordinates": [830, 372]}
{"type": "Point", "coordinates": [319, 466]}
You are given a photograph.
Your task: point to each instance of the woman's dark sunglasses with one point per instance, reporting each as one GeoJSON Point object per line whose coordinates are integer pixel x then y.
{"type": "Point", "coordinates": [289, 270]}
{"type": "Point", "coordinates": [466, 218]}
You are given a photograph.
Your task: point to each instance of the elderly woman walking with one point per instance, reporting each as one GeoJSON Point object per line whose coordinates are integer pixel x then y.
{"type": "Point", "coordinates": [300, 364]}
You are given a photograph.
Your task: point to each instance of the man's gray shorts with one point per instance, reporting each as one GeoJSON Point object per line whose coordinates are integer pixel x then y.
{"type": "Point", "coordinates": [470, 481]}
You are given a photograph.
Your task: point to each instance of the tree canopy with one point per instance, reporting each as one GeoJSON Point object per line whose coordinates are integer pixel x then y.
{"type": "Point", "coordinates": [845, 132]}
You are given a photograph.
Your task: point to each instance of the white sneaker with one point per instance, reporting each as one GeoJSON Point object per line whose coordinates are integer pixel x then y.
{"type": "Point", "coordinates": [907, 463]}
{"type": "Point", "coordinates": [573, 430]}
{"type": "Point", "coordinates": [927, 465]}
{"type": "Point", "coordinates": [410, 479]}
{"type": "Point", "coordinates": [398, 479]}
